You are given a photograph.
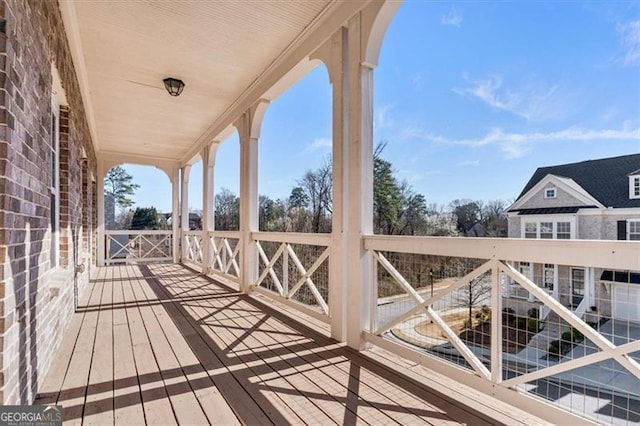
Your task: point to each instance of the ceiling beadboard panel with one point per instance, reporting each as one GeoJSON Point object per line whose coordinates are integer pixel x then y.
{"type": "Point", "coordinates": [218, 48]}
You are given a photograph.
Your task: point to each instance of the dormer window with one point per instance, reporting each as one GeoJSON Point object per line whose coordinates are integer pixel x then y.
{"type": "Point", "coordinates": [550, 193]}
{"type": "Point", "coordinates": [634, 186]}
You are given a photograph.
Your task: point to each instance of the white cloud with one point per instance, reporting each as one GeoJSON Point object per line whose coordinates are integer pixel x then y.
{"type": "Point", "coordinates": [382, 118]}
{"type": "Point", "coordinates": [469, 163]}
{"type": "Point", "coordinates": [515, 145]}
{"type": "Point", "coordinates": [629, 34]}
{"type": "Point", "coordinates": [318, 144]}
{"type": "Point", "coordinates": [453, 18]}
{"type": "Point", "coordinates": [416, 81]}
{"type": "Point", "coordinates": [411, 132]}
{"type": "Point", "coordinates": [412, 176]}
{"type": "Point", "coordinates": [532, 101]}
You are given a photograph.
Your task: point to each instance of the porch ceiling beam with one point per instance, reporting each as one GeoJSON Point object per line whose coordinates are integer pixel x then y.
{"type": "Point", "coordinates": [111, 159]}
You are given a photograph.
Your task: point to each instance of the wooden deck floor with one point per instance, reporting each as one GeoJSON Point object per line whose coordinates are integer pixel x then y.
{"type": "Point", "coordinates": [159, 344]}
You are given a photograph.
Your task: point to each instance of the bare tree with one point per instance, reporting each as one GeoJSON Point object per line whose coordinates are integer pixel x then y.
{"type": "Point", "coordinates": [494, 218]}
{"type": "Point", "coordinates": [227, 210]}
{"type": "Point", "coordinates": [317, 186]}
{"type": "Point", "coordinates": [477, 292]}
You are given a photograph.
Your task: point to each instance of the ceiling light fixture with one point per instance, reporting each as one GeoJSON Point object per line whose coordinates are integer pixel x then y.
{"type": "Point", "coordinates": [173, 86]}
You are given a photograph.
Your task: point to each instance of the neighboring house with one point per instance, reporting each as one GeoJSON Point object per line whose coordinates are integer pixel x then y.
{"type": "Point", "coordinates": [596, 200]}
{"type": "Point", "coordinates": [195, 220]}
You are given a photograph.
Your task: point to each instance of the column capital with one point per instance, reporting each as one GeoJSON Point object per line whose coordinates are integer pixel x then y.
{"type": "Point", "coordinates": [249, 124]}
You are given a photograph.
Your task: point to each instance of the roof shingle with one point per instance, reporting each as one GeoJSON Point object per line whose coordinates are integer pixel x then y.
{"type": "Point", "coordinates": [606, 179]}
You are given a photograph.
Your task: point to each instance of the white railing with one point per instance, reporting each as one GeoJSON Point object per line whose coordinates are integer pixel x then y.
{"type": "Point", "coordinates": [459, 321]}
{"type": "Point", "coordinates": [294, 268]}
{"type": "Point", "coordinates": [192, 250]}
{"type": "Point", "coordinates": [128, 246]}
{"type": "Point", "coordinates": [224, 254]}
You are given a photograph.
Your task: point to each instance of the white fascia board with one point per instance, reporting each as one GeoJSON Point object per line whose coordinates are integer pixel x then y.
{"type": "Point", "coordinates": [610, 211]}
{"type": "Point", "coordinates": [70, 21]}
{"type": "Point", "coordinates": [573, 189]}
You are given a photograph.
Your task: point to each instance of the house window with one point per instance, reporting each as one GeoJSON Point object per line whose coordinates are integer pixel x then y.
{"type": "Point", "coordinates": [530, 230]}
{"type": "Point", "coordinates": [550, 193]}
{"type": "Point", "coordinates": [525, 269]}
{"type": "Point", "coordinates": [546, 230]}
{"type": "Point", "coordinates": [634, 186]}
{"type": "Point", "coordinates": [634, 230]}
{"type": "Point", "coordinates": [563, 230]}
{"type": "Point", "coordinates": [54, 201]}
{"type": "Point", "coordinates": [548, 276]}
{"type": "Point", "coordinates": [577, 282]}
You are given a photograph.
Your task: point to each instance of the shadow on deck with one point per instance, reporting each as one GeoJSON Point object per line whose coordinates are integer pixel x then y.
{"type": "Point", "coordinates": [161, 344]}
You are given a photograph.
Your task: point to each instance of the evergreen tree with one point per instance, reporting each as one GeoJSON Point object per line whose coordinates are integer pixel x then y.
{"type": "Point", "coordinates": [145, 218]}
{"type": "Point", "coordinates": [119, 184]}
{"type": "Point", "coordinates": [387, 195]}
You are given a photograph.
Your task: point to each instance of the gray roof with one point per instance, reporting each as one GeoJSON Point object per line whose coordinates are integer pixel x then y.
{"type": "Point", "coordinates": [606, 179]}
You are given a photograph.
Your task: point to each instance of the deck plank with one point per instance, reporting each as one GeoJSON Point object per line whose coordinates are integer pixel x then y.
{"type": "Point", "coordinates": [295, 383]}
{"type": "Point", "coordinates": [49, 392]}
{"type": "Point", "coordinates": [185, 405]}
{"type": "Point", "coordinates": [155, 400]}
{"type": "Point", "coordinates": [127, 393]}
{"type": "Point", "coordinates": [161, 344]}
{"type": "Point", "coordinates": [98, 407]}
{"type": "Point", "coordinates": [197, 400]}
{"type": "Point", "coordinates": [272, 378]}
{"type": "Point", "coordinates": [263, 406]}
{"type": "Point", "coordinates": [305, 379]}
{"type": "Point", "coordinates": [441, 410]}
{"type": "Point", "coordinates": [75, 385]}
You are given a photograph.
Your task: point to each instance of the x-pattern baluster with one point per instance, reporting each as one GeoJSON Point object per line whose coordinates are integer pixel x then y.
{"type": "Point", "coordinates": [154, 246]}
{"type": "Point", "coordinates": [123, 247]}
{"type": "Point", "coordinates": [424, 305]}
{"type": "Point", "coordinates": [269, 263]}
{"type": "Point", "coordinates": [306, 277]}
{"type": "Point", "coordinates": [232, 256]}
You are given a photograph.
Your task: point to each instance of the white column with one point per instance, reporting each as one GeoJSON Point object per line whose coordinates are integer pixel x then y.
{"type": "Point", "coordinates": [531, 276]}
{"type": "Point", "coordinates": [100, 225]}
{"type": "Point", "coordinates": [184, 207]}
{"type": "Point", "coordinates": [248, 210]}
{"type": "Point", "coordinates": [333, 54]}
{"type": "Point", "coordinates": [357, 185]}
{"type": "Point", "coordinates": [496, 326]}
{"type": "Point", "coordinates": [249, 133]}
{"type": "Point", "coordinates": [208, 163]}
{"type": "Point", "coordinates": [175, 213]}
{"type": "Point", "coordinates": [556, 283]}
{"type": "Point", "coordinates": [589, 287]}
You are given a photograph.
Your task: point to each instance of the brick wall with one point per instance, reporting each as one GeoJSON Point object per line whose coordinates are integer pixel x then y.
{"type": "Point", "coordinates": [37, 299]}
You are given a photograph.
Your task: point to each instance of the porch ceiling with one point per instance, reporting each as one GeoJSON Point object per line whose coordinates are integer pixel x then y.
{"type": "Point", "coordinates": [123, 50]}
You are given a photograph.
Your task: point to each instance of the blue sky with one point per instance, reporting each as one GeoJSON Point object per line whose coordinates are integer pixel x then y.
{"type": "Point", "coordinates": [471, 97]}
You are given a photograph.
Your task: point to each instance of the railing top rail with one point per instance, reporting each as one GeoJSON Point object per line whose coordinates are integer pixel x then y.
{"type": "Point", "coordinates": [137, 232]}
{"type": "Point", "coordinates": [225, 234]}
{"type": "Point", "coordinates": [293, 238]}
{"type": "Point", "coordinates": [595, 253]}
{"type": "Point", "coordinates": [193, 232]}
